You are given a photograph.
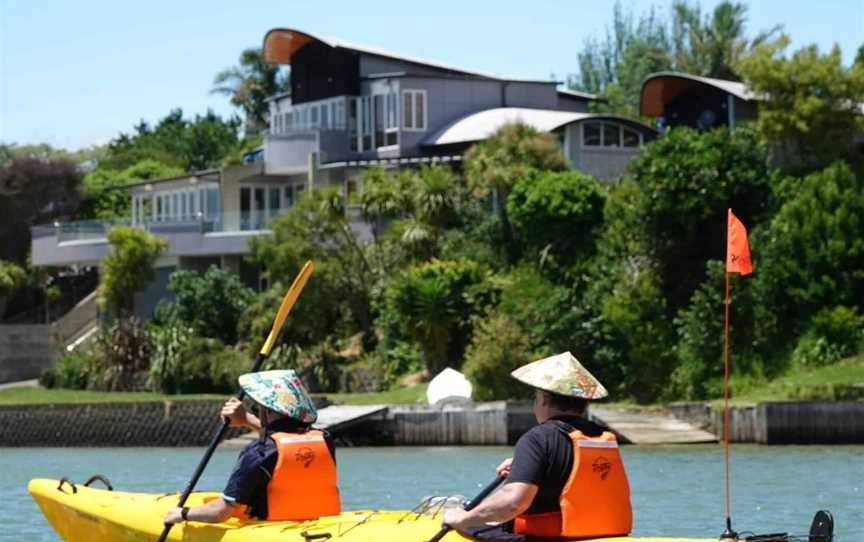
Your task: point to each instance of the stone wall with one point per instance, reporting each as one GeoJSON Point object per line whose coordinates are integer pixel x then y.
{"type": "Point", "coordinates": [25, 351]}
{"type": "Point", "coordinates": [152, 423]}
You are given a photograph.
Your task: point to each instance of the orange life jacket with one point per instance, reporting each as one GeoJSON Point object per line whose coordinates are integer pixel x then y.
{"type": "Point", "coordinates": [304, 480]}
{"type": "Point", "coordinates": [595, 501]}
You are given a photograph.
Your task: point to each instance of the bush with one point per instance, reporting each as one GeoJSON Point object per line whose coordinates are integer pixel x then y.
{"type": "Point", "coordinates": [70, 372]}
{"type": "Point", "coordinates": [183, 363]}
{"type": "Point", "coordinates": [435, 302]}
{"type": "Point", "coordinates": [211, 303]}
{"type": "Point", "coordinates": [557, 214]}
{"type": "Point", "coordinates": [833, 333]}
{"type": "Point", "coordinates": [499, 345]}
{"type": "Point", "coordinates": [122, 357]}
{"type": "Point", "coordinates": [167, 343]}
{"type": "Point", "coordinates": [128, 268]}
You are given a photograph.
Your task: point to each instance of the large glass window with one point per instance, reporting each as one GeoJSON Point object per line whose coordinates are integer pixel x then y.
{"type": "Point", "coordinates": [611, 135]}
{"type": "Point", "coordinates": [378, 102]}
{"type": "Point", "coordinates": [366, 122]}
{"type": "Point", "coordinates": [591, 134]}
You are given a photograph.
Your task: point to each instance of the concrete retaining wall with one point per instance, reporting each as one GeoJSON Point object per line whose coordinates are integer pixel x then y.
{"type": "Point", "coordinates": [152, 423]}
{"type": "Point", "coordinates": [25, 351]}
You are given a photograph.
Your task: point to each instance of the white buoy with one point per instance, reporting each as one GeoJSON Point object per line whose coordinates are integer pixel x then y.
{"type": "Point", "coordinates": [449, 386]}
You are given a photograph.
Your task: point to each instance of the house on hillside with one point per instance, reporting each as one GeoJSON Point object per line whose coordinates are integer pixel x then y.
{"type": "Point", "coordinates": [682, 99]}
{"type": "Point", "coordinates": [349, 107]}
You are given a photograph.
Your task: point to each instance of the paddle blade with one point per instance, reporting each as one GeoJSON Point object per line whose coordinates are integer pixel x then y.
{"type": "Point", "coordinates": [285, 308]}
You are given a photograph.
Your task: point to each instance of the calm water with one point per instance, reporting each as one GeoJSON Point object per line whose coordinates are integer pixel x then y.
{"type": "Point", "coordinates": [676, 490]}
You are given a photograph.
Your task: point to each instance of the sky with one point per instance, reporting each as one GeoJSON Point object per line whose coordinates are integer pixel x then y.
{"type": "Point", "coordinates": [77, 73]}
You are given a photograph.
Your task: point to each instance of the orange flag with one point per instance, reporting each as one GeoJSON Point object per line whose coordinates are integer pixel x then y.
{"type": "Point", "coordinates": [737, 248]}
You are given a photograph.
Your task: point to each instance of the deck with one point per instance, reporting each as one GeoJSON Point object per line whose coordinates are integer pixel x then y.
{"type": "Point", "coordinates": [643, 427]}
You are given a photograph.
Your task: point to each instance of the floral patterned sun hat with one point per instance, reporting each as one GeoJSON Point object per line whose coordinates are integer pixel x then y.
{"type": "Point", "coordinates": [280, 391]}
{"type": "Point", "coordinates": [561, 374]}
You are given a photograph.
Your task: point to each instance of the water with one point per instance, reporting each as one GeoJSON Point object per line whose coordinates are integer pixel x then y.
{"type": "Point", "coordinates": [676, 490]}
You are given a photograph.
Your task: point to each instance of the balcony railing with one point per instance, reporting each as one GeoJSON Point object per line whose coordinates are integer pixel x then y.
{"type": "Point", "coordinates": [329, 114]}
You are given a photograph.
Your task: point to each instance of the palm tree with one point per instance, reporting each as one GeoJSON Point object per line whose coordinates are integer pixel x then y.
{"type": "Point", "coordinates": [250, 84]}
{"type": "Point", "coordinates": [716, 46]}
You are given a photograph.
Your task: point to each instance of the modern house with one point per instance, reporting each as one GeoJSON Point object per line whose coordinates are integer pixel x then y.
{"type": "Point", "coordinates": [682, 99]}
{"type": "Point", "coordinates": [349, 107]}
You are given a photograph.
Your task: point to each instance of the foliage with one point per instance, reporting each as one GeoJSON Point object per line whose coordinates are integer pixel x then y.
{"type": "Point", "coordinates": [494, 165]}
{"type": "Point", "coordinates": [435, 302]}
{"type": "Point", "coordinates": [72, 371]}
{"type": "Point", "coordinates": [105, 202]}
{"type": "Point", "coordinates": [189, 144]}
{"type": "Point", "coordinates": [498, 346]}
{"type": "Point", "coordinates": [250, 85]}
{"type": "Point", "coordinates": [688, 180]}
{"type": "Point", "coordinates": [199, 365]}
{"type": "Point", "coordinates": [236, 156]}
{"type": "Point", "coordinates": [12, 276]}
{"type": "Point", "coordinates": [84, 157]}
{"type": "Point", "coordinates": [557, 214]}
{"type": "Point", "coordinates": [212, 303]}
{"type": "Point", "coordinates": [121, 357]}
{"type": "Point", "coordinates": [316, 228]}
{"type": "Point", "coordinates": [834, 333]}
{"type": "Point", "coordinates": [33, 191]}
{"type": "Point", "coordinates": [166, 365]}
{"type": "Point", "coordinates": [811, 254]}
{"type": "Point", "coordinates": [631, 49]}
{"type": "Point", "coordinates": [811, 113]}
{"type": "Point", "coordinates": [128, 268]}
{"type": "Point", "coordinates": [699, 328]}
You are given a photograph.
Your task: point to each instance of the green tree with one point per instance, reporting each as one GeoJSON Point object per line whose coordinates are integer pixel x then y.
{"type": "Point", "coordinates": [12, 277]}
{"type": "Point", "coordinates": [250, 84]}
{"type": "Point", "coordinates": [210, 303]}
{"type": "Point", "coordinates": [689, 179]}
{"type": "Point", "coordinates": [435, 302]}
{"type": "Point", "coordinates": [495, 165]}
{"type": "Point", "coordinates": [128, 268]}
{"type": "Point", "coordinates": [811, 113]}
{"type": "Point", "coordinates": [34, 192]}
{"type": "Point", "coordinates": [499, 346]}
{"type": "Point", "coordinates": [811, 255]}
{"type": "Point", "coordinates": [557, 214]}
{"type": "Point", "coordinates": [104, 201]}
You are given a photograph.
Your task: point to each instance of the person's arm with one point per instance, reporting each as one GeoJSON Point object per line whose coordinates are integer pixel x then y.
{"type": "Point", "coordinates": [510, 501]}
{"type": "Point", "coordinates": [238, 416]}
{"type": "Point", "coordinates": [215, 511]}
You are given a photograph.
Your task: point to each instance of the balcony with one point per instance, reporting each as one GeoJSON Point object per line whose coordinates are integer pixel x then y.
{"type": "Point", "coordinates": [228, 233]}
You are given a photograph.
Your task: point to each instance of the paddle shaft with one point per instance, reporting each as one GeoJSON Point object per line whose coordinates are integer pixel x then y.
{"type": "Point", "coordinates": [287, 303]}
{"type": "Point", "coordinates": [470, 505]}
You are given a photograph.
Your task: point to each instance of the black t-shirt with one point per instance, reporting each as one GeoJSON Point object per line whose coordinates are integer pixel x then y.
{"type": "Point", "coordinates": [247, 484]}
{"type": "Point", "coordinates": [544, 457]}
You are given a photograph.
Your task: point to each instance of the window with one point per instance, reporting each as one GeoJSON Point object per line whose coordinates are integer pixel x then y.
{"type": "Point", "coordinates": [366, 123]}
{"type": "Point", "coordinates": [591, 134]}
{"type": "Point", "coordinates": [414, 110]}
{"type": "Point", "coordinates": [378, 102]}
{"type": "Point", "coordinates": [392, 124]}
{"type": "Point", "coordinates": [353, 134]}
{"type": "Point", "coordinates": [611, 135]}
{"type": "Point", "coordinates": [325, 116]}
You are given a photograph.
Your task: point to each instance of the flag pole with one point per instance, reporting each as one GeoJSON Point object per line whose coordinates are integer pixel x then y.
{"type": "Point", "coordinates": [728, 533]}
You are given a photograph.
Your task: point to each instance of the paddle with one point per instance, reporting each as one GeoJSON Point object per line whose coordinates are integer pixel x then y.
{"type": "Point", "coordinates": [470, 505]}
{"type": "Point", "coordinates": [284, 309]}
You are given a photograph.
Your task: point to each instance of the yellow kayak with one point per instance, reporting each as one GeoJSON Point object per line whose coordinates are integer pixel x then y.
{"type": "Point", "coordinates": [79, 513]}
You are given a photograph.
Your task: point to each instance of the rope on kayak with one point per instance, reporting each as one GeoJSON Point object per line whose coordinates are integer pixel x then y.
{"type": "Point", "coordinates": [340, 532]}
{"type": "Point", "coordinates": [432, 502]}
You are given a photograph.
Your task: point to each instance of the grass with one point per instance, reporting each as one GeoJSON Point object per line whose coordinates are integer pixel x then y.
{"type": "Point", "coordinates": [31, 395]}
{"type": "Point", "coordinates": [805, 383]}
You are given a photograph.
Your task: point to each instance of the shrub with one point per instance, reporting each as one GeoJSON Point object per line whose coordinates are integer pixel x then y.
{"type": "Point", "coordinates": [122, 356]}
{"type": "Point", "coordinates": [211, 303]}
{"type": "Point", "coordinates": [557, 214]}
{"type": "Point", "coordinates": [435, 303]}
{"type": "Point", "coordinates": [128, 268]}
{"type": "Point", "coordinates": [71, 372]}
{"type": "Point", "coordinates": [833, 333]}
{"type": "Point", "coordinates": [499, 345]}
{"type": "Point", "coordinates": [167, 343]}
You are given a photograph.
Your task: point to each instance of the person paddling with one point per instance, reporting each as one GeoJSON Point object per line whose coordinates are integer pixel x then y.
{"type": "Point", "coordinates": [566, 478]}
{"type": "Point", "coordinates": [289, 473]}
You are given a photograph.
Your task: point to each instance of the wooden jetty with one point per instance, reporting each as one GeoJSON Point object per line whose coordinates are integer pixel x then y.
{"type": "Point", "coordinates": [333, 418]}
{"type": "Point", "coordinates": [646, 427]}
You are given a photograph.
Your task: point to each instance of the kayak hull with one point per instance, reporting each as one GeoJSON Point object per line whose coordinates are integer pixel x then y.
{"type": "Point", "coordinates": [80, 513]}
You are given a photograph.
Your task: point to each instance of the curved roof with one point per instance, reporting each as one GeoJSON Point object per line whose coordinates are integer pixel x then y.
{"type": "Point", "coordinates": [480, 125]}
{"type": "Point", "coordinates": [280, 44]}
{"type": "Point", "coordinates": [660, 88]}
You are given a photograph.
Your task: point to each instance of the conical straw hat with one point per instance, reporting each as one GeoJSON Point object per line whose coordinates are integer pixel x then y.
{"type": "Point", "coordinates": [563, 375]}
{"type": "Point", "coordinates": [280, 391]}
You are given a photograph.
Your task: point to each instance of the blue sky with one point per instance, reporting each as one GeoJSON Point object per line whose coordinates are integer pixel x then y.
{"type": "Point", "coordinates": [76, 73]}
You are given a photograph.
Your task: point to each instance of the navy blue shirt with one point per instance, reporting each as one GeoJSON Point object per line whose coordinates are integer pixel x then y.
{"type": "Point", "coordinates": [544, 457]}
{"type": "Point", "coordinates": [247, 484]}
